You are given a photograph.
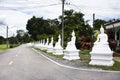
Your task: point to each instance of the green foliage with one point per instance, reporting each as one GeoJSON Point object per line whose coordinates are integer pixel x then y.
{"type": "Point", "coordinates": [13, 45]}
{"type": "Point", "coordinates": [38, 28]}
{"type": "Point", "coordinates": [2, 40]}
{"type": "Point", "coordinates": [98, 23]}
{"type": "Point", "coordinates": [75, 21]}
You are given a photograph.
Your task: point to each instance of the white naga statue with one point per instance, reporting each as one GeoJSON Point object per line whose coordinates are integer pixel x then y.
{"type": "Point", "coordinates": [102, 37]}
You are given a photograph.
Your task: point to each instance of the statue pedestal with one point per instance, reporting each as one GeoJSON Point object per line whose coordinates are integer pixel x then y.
{"type": "Point", "coordinates": [101, 55]}
{"type": "Point", "coordinates": [71, 53]}
{"type": "Point", "coordinates": [50, 48]}
{"type": "Point", "coordinates": [58, 51]}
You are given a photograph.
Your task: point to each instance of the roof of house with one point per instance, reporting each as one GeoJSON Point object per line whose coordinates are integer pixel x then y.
{"type": "Point", "coordinates": [112, 24]}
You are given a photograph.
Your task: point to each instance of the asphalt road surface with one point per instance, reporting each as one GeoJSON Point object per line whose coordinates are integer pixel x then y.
{"type": "Point", "coordinates": [23, 63]}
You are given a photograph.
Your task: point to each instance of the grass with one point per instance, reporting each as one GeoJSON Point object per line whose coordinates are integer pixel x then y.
{"type": "Point", "coordinates": [50, 54]}
{"type": "Point", "coordinates": [4, 47]}
{"type": "Point", "coordinates": [85, 59]}
{"type": "Point", "coordinates": [84, 55]}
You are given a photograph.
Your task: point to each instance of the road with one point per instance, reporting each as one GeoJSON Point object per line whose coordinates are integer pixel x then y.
{"type": "Point", "coordinates": [23, 63]}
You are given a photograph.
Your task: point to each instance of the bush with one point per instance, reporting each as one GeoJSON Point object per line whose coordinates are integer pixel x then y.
{"type": "Point", "coordinates": [13, 45]}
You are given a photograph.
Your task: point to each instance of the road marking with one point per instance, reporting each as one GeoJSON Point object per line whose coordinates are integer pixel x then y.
{"type": "Point", "coordinates": [11, 62]}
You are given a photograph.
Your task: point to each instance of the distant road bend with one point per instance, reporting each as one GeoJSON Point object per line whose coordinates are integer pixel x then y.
{"type": "Point", "coordinates": [23, 63]}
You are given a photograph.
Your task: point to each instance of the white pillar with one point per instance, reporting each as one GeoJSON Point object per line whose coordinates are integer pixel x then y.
{"type": "Point", "coordinates": [115, 34]}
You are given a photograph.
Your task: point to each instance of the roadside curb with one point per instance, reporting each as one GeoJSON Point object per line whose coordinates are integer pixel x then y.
{"type": "Point", "coordinates": [70, 67]}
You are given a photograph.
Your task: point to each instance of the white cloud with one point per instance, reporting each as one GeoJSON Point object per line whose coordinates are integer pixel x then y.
{"type": "Point", "coordinates": [17, 12]}
{"type": "Point", "coordinates": [14, 20]}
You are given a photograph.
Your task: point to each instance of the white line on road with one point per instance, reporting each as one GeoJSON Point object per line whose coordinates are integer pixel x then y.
{"type": "Point", "coordinates": [11, 62]}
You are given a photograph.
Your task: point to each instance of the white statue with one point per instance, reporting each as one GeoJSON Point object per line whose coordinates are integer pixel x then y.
{"type": "Point", "coordinates": [102, 37]}
{"type": "Point", "coordinates": [72, 42]}
{"type": "Point", "coordinates": [50, 47]}
{"type": "Point", "coordinates": [59, 39]}
{"type": "Point", "coordinates": [101, 53]}
{"type": "Point", "coordinates": [71, 52]}
{"type": "Point", "coordinates": [73, 38]}
{"type": "Point", "coordinates": [58, 50]}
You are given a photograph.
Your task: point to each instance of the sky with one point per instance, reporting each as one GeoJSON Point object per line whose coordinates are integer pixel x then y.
{"type": "Point", "coordinates": [15, 13]}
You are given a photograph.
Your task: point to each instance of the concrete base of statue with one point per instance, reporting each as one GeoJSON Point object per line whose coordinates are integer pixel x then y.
{"type": "Point", "coordinates": [58, 51]}
{"type": "Point", "coordinates": [101, 55]}
{"type": "Point", "coordinates": [71, 53]}
{"type": "Point", "coordinates": [50, 50]}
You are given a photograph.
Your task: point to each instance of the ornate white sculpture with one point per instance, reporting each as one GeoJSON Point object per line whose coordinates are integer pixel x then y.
{"type": "Point", "coordinates": [50, 47]}
{"type": "Point", "coordinates": [102, 37]}
{"type": "Point", "coordinates": [71, 53]}
{"type": "Point", "coordinates": [101, 53]}
{"type": "Point", "coordinates": [58, 50]}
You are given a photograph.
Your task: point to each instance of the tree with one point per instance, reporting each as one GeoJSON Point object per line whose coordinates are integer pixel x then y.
{"type": "Point", "coordinates": [20, 34]}
{"type": "Point", "coordinates": [75, 21]}
{"type": "Point", "coordinates": [40, 28]}
{"type": "Point", "coordinates": [2, 40]}
{"type": "Point", "coordinates": [98, 23]}
{"type": "Point", "coordinates": [37, 27]}
{"type": "Point", "coordinates": [22, 37]}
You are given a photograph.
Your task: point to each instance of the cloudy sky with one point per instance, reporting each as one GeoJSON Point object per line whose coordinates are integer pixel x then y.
{"type": "Point", "coordinates": [15, 13]}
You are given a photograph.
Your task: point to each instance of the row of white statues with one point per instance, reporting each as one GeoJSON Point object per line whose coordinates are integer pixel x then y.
{"type": "Point", "coordinates": [70, 53]}
{"type": "Point", "coordinates": [101, 53]}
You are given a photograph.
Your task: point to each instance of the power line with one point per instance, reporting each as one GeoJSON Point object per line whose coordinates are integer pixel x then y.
{"type": "Point", "coordinates": [47, 5]}
{"type": "Point", "coordinates": [40, 6]}
{"type": "Point", "coordinates": [80, 7]}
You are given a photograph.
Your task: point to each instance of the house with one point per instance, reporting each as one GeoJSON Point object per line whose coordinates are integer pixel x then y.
{"type": "Point", "coordinates": [113, 29]}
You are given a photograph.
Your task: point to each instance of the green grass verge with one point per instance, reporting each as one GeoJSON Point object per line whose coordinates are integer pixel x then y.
{"type": "Point", "coordinates": [85, 59]}
{"type": "Point", "coordinates": [4, 47]}
{"type": "Point", "coordinates": [50, 54]}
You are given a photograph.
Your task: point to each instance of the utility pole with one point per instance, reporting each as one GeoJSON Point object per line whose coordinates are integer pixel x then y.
{"type": "Point", "coordinates": [93, 20]}
{"type": "Point", "coordinates": [63, 1]}
{"type": "Point", "coordinates": [7, 37]}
